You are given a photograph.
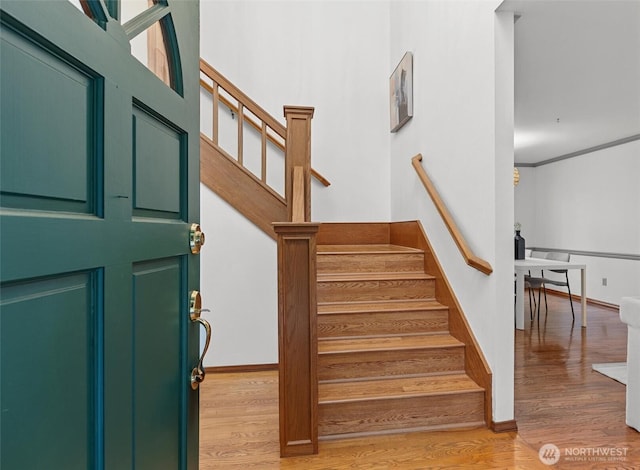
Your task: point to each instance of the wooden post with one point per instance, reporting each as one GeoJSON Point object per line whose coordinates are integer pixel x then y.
{"type": "Point", "coordinates": [298, 153]}
{"type": "Point", "coordinates": [297, 338]}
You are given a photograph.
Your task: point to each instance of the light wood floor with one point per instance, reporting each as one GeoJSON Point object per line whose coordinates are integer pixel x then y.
{"type": "Point", "coordinates": [558, 400]}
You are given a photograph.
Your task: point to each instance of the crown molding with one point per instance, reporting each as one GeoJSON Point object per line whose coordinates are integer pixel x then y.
{"type": "Point", "coordinates": [578, 153]}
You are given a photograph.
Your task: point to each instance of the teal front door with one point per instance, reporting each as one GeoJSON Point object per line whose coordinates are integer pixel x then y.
{"type": "Point", "coordinates": [99, 184]}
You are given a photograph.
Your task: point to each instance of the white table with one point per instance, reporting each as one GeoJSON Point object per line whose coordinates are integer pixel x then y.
{"type": "Point", "coordinates": [522, 267]}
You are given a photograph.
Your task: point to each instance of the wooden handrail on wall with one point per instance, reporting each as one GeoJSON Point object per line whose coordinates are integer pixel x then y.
{"type": "Point", "coordinates": [470, 258]}
{"type": "Point", "coordinates": [267, 123]}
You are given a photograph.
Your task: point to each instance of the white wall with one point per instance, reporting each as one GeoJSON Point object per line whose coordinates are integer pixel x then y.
{"type": "Point", "coordinates": [588, 203]}
{"type": "Point", "coordinates": [455, 47]}
{"type": "Point", "coordinates": [330, 55]}
{"type": "Point", "coordinates": [238, 285]}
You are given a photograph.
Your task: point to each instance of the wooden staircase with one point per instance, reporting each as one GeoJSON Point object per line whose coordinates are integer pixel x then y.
{"type": "Point", "coordinates": [387, 361]}
{"type": "Point", "coordinates": [371, 338]}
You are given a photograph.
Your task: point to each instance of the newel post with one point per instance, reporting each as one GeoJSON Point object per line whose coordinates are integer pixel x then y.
{"type": "Point", "coordinates": [298, 153]}
{"type": "Point", "coordinates": [297, 338]}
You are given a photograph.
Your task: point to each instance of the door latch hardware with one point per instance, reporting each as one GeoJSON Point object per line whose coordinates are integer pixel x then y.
{"type": "Point", "coordinates": [195, 308]}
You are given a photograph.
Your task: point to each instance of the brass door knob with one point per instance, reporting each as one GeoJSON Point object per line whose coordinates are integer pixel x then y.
{"type": "Point", "coordinates": [196, 238]}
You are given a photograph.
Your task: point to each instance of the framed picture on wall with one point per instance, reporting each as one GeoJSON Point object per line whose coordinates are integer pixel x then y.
{"type": "Point", "coordinates": [401, 93]}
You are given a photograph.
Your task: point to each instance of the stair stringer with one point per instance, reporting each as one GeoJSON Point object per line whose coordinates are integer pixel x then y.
{"type": "Point", "coordinates": [241, 189]}
{"type": "Point", "coordinates": [412, 234]}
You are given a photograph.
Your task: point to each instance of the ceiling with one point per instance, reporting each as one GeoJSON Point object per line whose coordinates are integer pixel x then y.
{"type": "Point", "coordinates": [577, 76]}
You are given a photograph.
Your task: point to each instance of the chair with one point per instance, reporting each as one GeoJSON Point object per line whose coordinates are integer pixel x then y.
{"type": "Point", "coordinates": [530, 285]}
{"type": "Point", "coordinates": [556, 256]}
{"type": "Point", "coordinates": [533, 282]}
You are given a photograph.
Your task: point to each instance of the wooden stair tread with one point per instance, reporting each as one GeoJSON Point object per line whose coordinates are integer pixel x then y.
{"type": "Point", "coordinates": [401, 387]}
{"type": "Point", "coordinates": [360, 249]}
{"type": "Point", "coordinates": [408, 305]}
{"type": "Point", "coordinates": [373, 276]}
{"type": "Point", "coordinates": [387, 343]}
{"type": "Point", "coordinates": [387, 361]}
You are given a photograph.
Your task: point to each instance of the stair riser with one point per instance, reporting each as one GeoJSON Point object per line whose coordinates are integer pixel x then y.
{"type": "Point", "coordinates": [389, 363]}
{"type": "Point", "coordinates": [379, 323]}
{"type": "Point", "coordinates": [358, 263]}
{"type": "Point", "coordinates": [386, 362]}
{"type": "Point", "coordinates": [396, 289]}
{"type": "Point", "coordinates": [375, 416]}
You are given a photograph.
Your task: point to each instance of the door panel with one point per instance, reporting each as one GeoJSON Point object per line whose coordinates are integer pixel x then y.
{"type": "Point", "coordinates": [98, 189]}
{"type": "Point", "coordinates": [158, 157]}
{"type": "Point", "coordinates": [29, 179]}
{"type": "Point", "coordinates": [157, 296]}
{"type": "Point", "coordinates": [60, 314]}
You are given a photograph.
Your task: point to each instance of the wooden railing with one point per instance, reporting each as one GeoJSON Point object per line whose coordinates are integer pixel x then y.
{"type": "Point", "coordinates": [470, 258]}
{"type": "Point", "coordinates": [296, 237]}
{"type": "Point", "coordinates": [245, 110]}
